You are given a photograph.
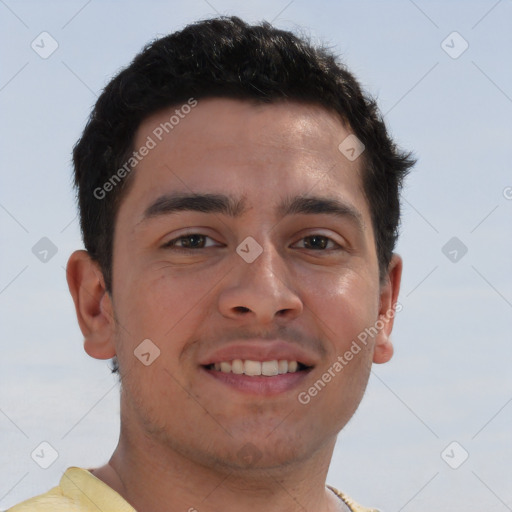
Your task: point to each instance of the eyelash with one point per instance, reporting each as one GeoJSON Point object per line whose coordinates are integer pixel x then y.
{"type": "Point", "coordinates": [171, 243]}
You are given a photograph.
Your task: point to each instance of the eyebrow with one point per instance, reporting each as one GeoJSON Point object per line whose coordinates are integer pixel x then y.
{"type": "Point", "coordinates": [227, 205]}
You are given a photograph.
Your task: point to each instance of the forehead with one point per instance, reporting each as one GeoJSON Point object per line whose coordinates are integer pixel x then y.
{"type": "Point", "coordinates": [218, 123]}
{"type": "Point", "coordinates": [259, 151]}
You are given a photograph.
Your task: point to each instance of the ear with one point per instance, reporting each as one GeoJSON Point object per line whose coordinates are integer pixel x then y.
{"type": "Point", "coordinates": [383, 350]}
{"type": "Point", "coordinates": [93, 305]}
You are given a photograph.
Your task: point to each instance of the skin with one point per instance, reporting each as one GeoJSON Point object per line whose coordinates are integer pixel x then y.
{"type": "Point", "coordinates": [181, 430]}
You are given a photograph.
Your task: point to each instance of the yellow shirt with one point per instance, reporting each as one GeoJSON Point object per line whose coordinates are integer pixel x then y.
{"type": "Point", "coordinates": [80, 491]}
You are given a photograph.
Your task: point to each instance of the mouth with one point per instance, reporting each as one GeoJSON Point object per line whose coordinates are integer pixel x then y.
{"type": "Point", "coordinates": [253, 368]}
{"type": "Point", "coordinates": [258, 378]}
{"type": "Point", "coordinates": [258, 367]}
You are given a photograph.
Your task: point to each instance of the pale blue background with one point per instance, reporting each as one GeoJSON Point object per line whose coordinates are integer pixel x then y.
{"type": "Point", "coordinates": [450, 379]}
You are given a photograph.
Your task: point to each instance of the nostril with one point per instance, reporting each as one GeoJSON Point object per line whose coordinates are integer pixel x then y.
{"type": "Point", "coordinates": [242, 309]}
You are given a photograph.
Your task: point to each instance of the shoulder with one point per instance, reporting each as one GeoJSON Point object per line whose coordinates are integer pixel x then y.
{"type": "Point", "coordinates": [352, 505]}
{"type": "Point", "coordinates": [78, 491]}
{"type": "Point", "coordinates": [51, 501]}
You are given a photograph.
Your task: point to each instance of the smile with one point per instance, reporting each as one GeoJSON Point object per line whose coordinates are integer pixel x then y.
{"type": "Point", "coordinates": [257, 368]}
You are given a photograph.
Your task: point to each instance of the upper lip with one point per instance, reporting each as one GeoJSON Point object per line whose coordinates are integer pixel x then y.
{"type": "Point", "coordinates": [260, 350]}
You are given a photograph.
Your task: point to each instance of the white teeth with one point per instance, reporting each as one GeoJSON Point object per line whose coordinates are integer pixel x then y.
{"type": "Point", "coordinates": [256, 368]}
{"type": "Point", "coordinates": [225, 367]}
{"type": "Point", "coordinates": [237, 367]}
{"type": "Point", "coordinates": [252, 368]}
{"type": "Point", "coordinates": [269, 368]}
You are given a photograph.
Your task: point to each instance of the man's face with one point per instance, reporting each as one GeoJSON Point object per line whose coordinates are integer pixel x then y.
{"type": "Point", "coordinates": [306, 297]}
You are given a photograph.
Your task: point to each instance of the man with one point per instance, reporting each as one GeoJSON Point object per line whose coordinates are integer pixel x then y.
{"type": "Point", "coordinates": [239, 202]}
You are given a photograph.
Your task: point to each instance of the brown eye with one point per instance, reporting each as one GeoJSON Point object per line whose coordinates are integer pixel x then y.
{"type": "Point", "coordinates": [318, 242]}
{"type": "Point", "coordinates": [189, 242]}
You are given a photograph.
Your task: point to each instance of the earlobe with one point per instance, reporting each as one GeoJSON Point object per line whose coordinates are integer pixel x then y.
{"type": "Point", "coordinates": [383, 350]}
{"type": "Point", "coordinates": [93, 305]}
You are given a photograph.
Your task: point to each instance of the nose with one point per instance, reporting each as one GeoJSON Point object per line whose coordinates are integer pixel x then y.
{"type": "Point", "coordinates": [260, 291]}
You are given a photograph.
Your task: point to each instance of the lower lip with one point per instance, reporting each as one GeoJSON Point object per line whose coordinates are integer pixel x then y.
{"type": "Point", "coordinates": [259, 385]}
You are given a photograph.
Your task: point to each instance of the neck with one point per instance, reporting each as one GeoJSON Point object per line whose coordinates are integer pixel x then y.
{"type": "Point", "coordinates": [152, 477]}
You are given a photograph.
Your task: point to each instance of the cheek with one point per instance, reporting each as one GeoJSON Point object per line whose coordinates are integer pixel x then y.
{"type": "Point", "coordinates": [344, 306]}
{"type": "Point", "coordinates": [160, 302]}
{"type": "Point", "coordinates": [346, 303]}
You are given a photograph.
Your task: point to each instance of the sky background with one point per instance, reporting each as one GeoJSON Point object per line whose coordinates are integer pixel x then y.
{"type": "Point", "coordinates": [450, 378]}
